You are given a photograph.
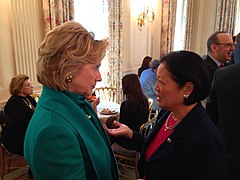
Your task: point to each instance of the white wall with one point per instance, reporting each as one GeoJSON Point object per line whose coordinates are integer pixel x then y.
{"type": "Point", "coordinates": [204, 15]}
{"type": "Point", "coordinates": [6, 47]}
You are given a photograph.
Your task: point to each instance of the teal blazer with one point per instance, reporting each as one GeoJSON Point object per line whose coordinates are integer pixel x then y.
{"type": "Point", "coordinates": [65, 140]}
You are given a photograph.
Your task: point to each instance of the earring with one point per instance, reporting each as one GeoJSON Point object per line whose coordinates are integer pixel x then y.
{"type": "Point", "coordinates": [69, 78]}
{"type": "Point", "coordinates": [185, 96]}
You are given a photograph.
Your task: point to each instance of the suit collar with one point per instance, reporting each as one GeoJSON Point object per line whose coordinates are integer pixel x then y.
{"type": "Point", "coordinates": [215, 60]}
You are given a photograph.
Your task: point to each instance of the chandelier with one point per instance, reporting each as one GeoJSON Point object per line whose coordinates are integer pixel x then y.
{"type": "Point", "coordinates": [143, 16]}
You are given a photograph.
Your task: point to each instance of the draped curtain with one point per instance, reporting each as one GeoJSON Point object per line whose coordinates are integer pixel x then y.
{"type": "Point", "coordinates": [226, 10]}
{"type": "Point", "coordinates": [188, 33]}
{"type": "Point", "coordinates": [115, 46]}
{"type": "Point", "coordinates": [56, 12]}
{"type": "Point", "coordinates": [168, 26]}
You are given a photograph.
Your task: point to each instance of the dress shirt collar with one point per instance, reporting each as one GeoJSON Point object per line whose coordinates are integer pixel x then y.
{"type": "Point", "coordinates": [215, 60]}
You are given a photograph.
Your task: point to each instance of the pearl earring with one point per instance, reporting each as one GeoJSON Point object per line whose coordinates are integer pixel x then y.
{"type": "Point", "coordinates": [69, 78]}
{"type": "Point", "coordinates": [185, 96]}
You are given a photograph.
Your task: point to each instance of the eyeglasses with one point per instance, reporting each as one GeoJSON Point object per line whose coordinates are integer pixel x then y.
{"type": "Point", "coordinates": [226, 44]}
{"type": "Point", "coordinates": [28, 85]}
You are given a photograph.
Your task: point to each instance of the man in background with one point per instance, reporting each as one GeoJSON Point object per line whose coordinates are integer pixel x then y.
{"type": "Point", "coordinates": [148, 81]}
{"type": "Point", "coordinates": [223, 107]}
{"type": "Point", "coordinates": [220, 46]}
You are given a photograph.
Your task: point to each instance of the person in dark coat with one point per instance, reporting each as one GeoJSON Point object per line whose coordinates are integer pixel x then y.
{"type": "Point", "coordinates": [220, 47]}
{"type": "Point", "coordinates": [184, 144]}
{"type": "Point", "coordinates": [223, 107]}
{"type": "Point", "coordinates": [20, 108]}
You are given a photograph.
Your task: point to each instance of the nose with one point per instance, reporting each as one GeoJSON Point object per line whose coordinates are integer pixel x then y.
{"type": "Point", "coordinates": [99, 76]}
{"type": "Point", "coordinates": [156, 87]}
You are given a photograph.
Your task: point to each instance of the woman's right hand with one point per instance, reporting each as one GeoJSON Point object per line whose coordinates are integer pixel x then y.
{"type": "Point", "coordinates": [119, 130]}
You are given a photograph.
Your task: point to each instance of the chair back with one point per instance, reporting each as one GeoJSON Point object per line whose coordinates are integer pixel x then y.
{"type": "Point", "coordinates": [150, 105]}
{"type": "Point", "coordinates": [106, 93]}
{"type": "Point", "coordinates": [148, 126]}
{"type": "Point", "coordinates": [126, 159]}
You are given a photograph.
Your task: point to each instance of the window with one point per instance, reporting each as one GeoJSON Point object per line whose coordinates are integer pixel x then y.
{"type": "Point", "coordinates": [237, 19]}
{"type": "Point", "coordinates": [180, 29]}
{"type": "Point", "coordinates": [93, 15]}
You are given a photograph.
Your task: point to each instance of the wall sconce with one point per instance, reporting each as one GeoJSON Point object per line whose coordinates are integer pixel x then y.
{"type": "Point", "coordinates": [143, 16]}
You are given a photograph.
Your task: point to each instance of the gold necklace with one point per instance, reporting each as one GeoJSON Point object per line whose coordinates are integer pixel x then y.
{"type": "Point", "coordinates": [172, 126]}
{"type": "Point", "coordinates": [29, 104]}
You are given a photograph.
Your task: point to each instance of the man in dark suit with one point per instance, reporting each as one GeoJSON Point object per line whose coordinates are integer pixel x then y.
{"type": "Point", "coordinates": [220, 46]}
{"type": "Point", "coordinates": [223, 106]}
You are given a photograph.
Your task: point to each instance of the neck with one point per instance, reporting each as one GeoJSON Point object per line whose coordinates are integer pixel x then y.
{"type": "Point", "coordinates": [22, 94]}
{"type": "Point", "coordinates": [180, 113]}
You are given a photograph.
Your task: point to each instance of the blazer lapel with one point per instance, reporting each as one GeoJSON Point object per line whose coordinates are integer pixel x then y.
{"type": "Point", "coordinates": [181, 131]}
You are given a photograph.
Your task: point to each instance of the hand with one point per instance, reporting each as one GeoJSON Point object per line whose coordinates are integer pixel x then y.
{"type": "Point", "coordinates": [119, 130]}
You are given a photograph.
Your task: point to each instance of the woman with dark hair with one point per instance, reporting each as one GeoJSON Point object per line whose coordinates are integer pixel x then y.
{"type": "Point", "coordinates": [134, 109]}
{"type": "Point", "coordinates": [145, 65]}
{"type": "Point", "coordinates": [184, 144]}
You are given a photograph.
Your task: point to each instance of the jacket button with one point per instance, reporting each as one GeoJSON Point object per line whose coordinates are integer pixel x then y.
{"type": "Point", "coordinates": [169, 140]}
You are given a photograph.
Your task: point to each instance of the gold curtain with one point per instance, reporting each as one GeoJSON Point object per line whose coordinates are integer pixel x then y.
{"type": "Point", "coordinates": [168, 26]}
{"type": "Point", "coordinates": [226, 10]}
{"type": "Point", "coordinates": [115, 46]}
{"type": "Point", "coordinates": [56, 12]}
{"type": "Point", "coordinates": [189, 16]}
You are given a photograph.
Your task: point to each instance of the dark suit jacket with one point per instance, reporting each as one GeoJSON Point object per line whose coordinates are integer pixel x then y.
{"type": "Point", "coordinates": [223, 106]}
{"type": "Point", "coordinates": [195, 150]}
{"type": "Point", "coordinates": [20, 114]}
{"type": "Point", "coordinates": [212, 65]}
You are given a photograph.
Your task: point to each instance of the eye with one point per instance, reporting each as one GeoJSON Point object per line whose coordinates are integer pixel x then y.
{"type": "Point", "coordinates": [161, 82]}
{"type": "Point", "coordinates": [97, 66]}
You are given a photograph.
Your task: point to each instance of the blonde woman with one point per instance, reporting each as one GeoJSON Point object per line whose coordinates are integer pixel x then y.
{"type": "Point", "coordinates": [65, 139]}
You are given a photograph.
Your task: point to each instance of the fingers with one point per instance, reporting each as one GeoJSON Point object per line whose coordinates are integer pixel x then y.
{"type": "Point", "coordinates": [117, 123]}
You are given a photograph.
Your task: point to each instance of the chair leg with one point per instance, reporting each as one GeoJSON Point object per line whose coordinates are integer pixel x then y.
{"type": "Point", "coordinates": [2, 165]}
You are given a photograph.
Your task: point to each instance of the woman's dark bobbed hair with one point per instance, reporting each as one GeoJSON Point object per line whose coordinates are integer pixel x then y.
{"type": "Point", "coordinates": [186, 66]}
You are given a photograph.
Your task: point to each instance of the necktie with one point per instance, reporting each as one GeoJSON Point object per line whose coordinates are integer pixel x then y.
{"type": "Point", "coordinates": [222, 65]}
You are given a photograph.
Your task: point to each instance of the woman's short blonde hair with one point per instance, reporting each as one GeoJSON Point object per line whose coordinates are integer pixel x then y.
{"type": "Point", "coordinates": [16, 83]}
{"type": "Point", "coordinates": [64, 50]}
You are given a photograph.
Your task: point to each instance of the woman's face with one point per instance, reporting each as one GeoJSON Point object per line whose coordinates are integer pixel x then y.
{"type": "Point", "coordinates": [170, 95]}
{"type": "Point", "coordinates": [27, 88]}
{"type": "Point", "coordinates": [150, 62]}
{"type": "Point", "coordinates": [84, 81]}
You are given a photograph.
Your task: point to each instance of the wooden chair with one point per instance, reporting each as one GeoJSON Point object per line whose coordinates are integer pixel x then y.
{"type": "Point", "coordinates": [106, 93]}
{"type": "Point", "coordinates": [148, 126]}
{"type": "Point", "coordinates": [126, 159]}
{"type": "Point", "coordinates": [6, 161]}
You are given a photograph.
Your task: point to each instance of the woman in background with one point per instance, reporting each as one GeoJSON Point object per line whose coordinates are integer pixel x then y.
{"type": "Point", "coordinates": [145, 65]}
{"type": "Point", "coordinates": [20, 108]}
{"type": "Point", "coordinates": [65, 139]}
{"type": "Point", "coordinates": [134, 109]}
